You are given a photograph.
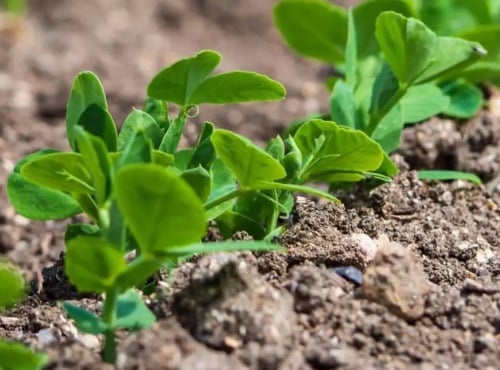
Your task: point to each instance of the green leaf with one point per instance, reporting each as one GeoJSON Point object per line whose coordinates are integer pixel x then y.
{"type": "Point", "coordinates": [332, 152]}
{"type": "Point", "coordinates": [200, 181]}
{"type": "Point", "coordinates": [15, 356]}
{"type": "Point", "coordinates": [163, 159]}
{"type": "Point", "coordinates": [407, 45]}
{"type": "Point", "coordinates": [422, 102]}
{"type": "Point", "coordinates": [482, 71]}
{"type": "Point", "coordinates": [132, 313]}
{"type": "Point", "coordinates": [450, 55]}
{"type": "Point", "coordinates": [465, 99]}
{"type": "Point", "coordinates": [204, 153]}
{"type": "Point", "coordinates": [59, 171]}
{"type": "Point", "coordinates": [237, 87]}
{"type": "Point", "coordinates": [231, 222]}
{"type": "Point", "coordinates": [179, 81]}
{"type": "Point", "coordinates": [36, 202]}
{"type": "Point", "coordinates": [351, 52]}
{"type": "Point", "coordinates": [98, 122]}
{"type": "Point", "coordinates": [172, 137]}
{"type": "Point", "coordinates": [88, 205]}
{"type": "Point", "coordinates": [13, 288]}
{"type": "Point", "coordinates": [223, 183]}
{"type": "Point", "coordinates": [85, 321]}
{"type": "Point", "coordinates": [248, 162]}
{"type": "Point", "coordinates": [313, 28]}
{"type": "Point", "coordinates": [74, 230]}
{"type": "Point", "coordinates": [365, 15]}
{"type": "Point", "coordinates": [96, 159]}
{"type": "Point", "coordinates": [443, 175]}
{"type": "Point", "coordinates": [276, 148]}
{"type": "Point", "coordinates": [158, 110]}
{"type": "Point", "coordinates": [385, 87]}
{"type": "Point", "coordinates": [138, 120]}
{"type": "Point", "coordinates": [138, 150]}
{"type": "Point", "coordinates": [92, 264]}
{"type": "Point", "coordinates": [159, 207]}
{"type": "Point", "coordinates": [388, 167]}
{"type": "Point", "coordinates": [343, 105]}
{"type": "Point", "coordinates": [87, 89]}
{"type": "Point", "coordinates": [138, 271]}
{"type": "Point", "coordinates": [487, 35]}
{"type": "Point", "coordinates": [446, 17]}
{"type": "Point", "coordinates": [388, 131]}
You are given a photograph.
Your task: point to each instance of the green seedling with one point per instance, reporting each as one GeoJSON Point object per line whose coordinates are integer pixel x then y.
{"type": "Point", "coordinates": [393, 70]}
{"type": "Point", "coordinates": [16, 7]}
{"type": "Point", "coordinates": [319, 152]}
{"type": "Point", "coordinates": [15, 356]}
{"type": "Point", "coordinates": [140, 192]}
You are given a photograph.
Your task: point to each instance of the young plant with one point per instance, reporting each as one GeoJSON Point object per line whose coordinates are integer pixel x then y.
{"type": "Point", "coordinates": [132, 187]}
{"type": "Point", "coordinates": [15, 356]}
{"type": "Point", "coordinates": [388, 79]}
{"type": "Point", "coordinates": [16, 7]}
{"type": "Point", "coordinates": [320, 151]}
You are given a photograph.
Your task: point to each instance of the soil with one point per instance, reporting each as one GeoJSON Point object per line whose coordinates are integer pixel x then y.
{"type": "Point", "coordinates": [429, 253]}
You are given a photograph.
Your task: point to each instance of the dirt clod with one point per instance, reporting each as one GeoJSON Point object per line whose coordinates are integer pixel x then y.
{"type": "Point", "coordinates": [396, 279]}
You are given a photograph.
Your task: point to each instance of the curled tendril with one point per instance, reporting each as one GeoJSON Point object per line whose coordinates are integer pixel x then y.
{"type": "Point", "coordinates": [192, 111]}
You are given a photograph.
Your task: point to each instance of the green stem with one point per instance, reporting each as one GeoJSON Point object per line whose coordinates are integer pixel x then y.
{"type": "Point", "coordinates": [375, 119]}
{"type": "Point", "coordinates": [224, 198]}
{"type": "Point", "coordinates": [273, 219]}
{"type": "Point", "coordinates": [109, 317]}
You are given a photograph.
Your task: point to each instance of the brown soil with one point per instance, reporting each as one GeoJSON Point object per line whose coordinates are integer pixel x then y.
{"type": "Point", "coordinates": [429, 252]}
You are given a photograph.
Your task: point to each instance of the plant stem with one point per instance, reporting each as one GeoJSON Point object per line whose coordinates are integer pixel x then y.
{"type": "Point", "coordinates": [375, 119]}
{"type": "Point", "coordinates": [273, 219]}
{"type": "Point", "coordinates": [109, 317]}
{"type": "Point", "coordinates": [224, 198]}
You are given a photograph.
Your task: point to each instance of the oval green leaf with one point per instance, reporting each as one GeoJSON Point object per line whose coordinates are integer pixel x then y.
{"type": "Point", "coordinates": [248, 162]}
{"type": "Point", "coordinates": [313, 28]}
{"type": "Point", "coordinates": [422, 102]}
{"type": "Point", "coordinates": [465, 99]}
{"type": "Point", "coordinates": [36, 202]}
{"type": "Point", "coordinates": [159, 207]}
{"type": "Point", "coordinates": [443, 175]}
{"type": "Point", "coordinates": [406, 43]}
{"type": "Point", "coordinates": [178, 82]}
{"type": "Point", "coordinates": [92, 264]}
{"type": "Point", "coordinates": [59, 171]}
{"type": "Point", "coordinates": [333, 153]}
{"type": "Point", "coordinates": [15, 356]}
{"type": "Point", "coordinates": [237, 87]}
{"type": "Point", "coordinates": [87, 89]}
{"type": "Point", "coordinates": [13, 286]}
{"type": "Point", "coordinates": [139, 120]}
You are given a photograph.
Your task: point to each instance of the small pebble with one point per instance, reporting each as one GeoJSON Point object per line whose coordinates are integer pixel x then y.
{"type": "Point", "coordinates": [46, 336]}
{"type": "Point", "coordinates": [350, 273]}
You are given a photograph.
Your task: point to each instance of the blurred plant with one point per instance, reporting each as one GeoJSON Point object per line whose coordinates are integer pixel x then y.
{"type": "Point", "coordinates": [15, 356]}
{"type": "Point", "coordinates": [391, 69]}
{"type": "Point", "coordinates": [16, 7]}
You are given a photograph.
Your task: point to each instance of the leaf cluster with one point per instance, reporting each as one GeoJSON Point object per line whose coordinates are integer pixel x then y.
{"type": "Point", "coordinates": [15, 356]}
{"type": "Point", "coordinates": [143, 194]}
{"type": "Point", "coordinates": [391, 69]}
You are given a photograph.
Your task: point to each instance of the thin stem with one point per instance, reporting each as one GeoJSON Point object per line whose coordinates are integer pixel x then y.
{"type": "Point", "coordinates": [375, 120]}
{"type": "Point", "coordinates": [224, 198]}
{"type": "Point", "coordinates": [273, 219]}
{"type": "Point", "coordinates": [109, 317]}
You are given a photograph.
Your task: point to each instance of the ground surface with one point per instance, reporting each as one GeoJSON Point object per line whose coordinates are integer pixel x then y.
{"type": "Point", "coordinates": [430, 253]}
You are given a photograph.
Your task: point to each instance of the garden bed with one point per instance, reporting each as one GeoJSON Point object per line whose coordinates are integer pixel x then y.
{"type": "Point", "coordinates": [429, 251]}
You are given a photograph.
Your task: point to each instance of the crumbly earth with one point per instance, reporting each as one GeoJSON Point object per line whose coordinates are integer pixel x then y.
{"type": "Point", "coordinates": [429, 252]}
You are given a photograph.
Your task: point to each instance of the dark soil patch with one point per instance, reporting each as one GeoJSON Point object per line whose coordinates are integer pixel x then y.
{"type": "Point", "coordinates": [429, 252]}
